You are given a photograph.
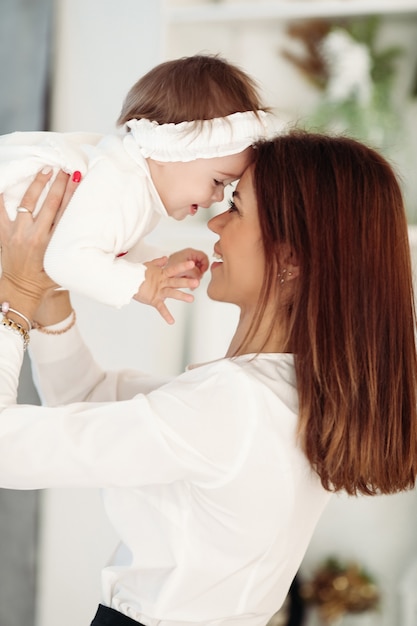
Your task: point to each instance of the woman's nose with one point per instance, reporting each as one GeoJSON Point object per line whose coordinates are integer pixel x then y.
{"type": "Point", "coordinates": [215, 223]}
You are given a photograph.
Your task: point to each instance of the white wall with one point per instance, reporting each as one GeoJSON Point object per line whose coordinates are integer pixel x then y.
{"type": "Point", "coordinates": [102, 47]}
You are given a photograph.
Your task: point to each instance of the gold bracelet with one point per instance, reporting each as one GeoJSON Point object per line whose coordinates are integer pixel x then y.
{"type": "Point", "coordinates": [61, 331]}
{"type": "Point", "coordinates": [17, 328]}
{"type": "Point", "coordinates": [6, 308]}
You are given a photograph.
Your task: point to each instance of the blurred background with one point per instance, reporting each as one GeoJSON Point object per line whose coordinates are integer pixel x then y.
{"type": "Point", "coordinates": [339, 65]}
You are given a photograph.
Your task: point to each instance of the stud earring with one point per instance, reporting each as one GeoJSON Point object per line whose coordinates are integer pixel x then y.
{"type": "Point", "coordinates": [282, 274]}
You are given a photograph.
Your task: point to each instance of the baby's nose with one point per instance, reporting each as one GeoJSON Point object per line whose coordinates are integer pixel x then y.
{"type": "Point", "coordinates": [218, 194]}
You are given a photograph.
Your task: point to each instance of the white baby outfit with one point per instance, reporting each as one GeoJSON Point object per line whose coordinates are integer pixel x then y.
{"type": "Point", "coordinates": [116, 205]}
{"type": "Point", "coordinates": [111, 212]}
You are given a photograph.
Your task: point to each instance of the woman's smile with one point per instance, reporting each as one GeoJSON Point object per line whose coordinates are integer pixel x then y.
{"type": "Point", "coordinates": [238, 249]}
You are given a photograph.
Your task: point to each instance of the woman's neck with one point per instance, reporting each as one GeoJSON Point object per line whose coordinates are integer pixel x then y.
{"type": "Point", "coordinates": [263, 340]}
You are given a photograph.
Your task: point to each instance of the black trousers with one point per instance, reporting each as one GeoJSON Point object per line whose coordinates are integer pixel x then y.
{"type": "Point", "coordinates": [109, 617]}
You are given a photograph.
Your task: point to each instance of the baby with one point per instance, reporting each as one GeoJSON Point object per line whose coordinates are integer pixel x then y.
{"type": "Point", "coordinates": [188, 124]}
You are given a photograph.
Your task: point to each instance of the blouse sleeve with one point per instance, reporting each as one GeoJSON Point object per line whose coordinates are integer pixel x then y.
{"type": "Point", "coordinates": [196, 428]}
{"type": "Point", "coordinates": [65, 371]}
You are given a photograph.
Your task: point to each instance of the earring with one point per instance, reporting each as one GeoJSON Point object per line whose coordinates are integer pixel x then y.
{"type": "Point", "coordinates": [281, 275]}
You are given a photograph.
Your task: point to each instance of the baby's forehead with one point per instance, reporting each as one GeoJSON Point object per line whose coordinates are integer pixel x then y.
{"type": "Point", "coordinates": [233, 165]}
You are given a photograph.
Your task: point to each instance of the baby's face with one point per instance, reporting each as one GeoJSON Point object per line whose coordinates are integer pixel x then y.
{"type": "Point", "coordinates": [184, 187]}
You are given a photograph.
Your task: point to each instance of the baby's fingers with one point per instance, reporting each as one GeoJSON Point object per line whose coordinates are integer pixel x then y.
{"type": "Point", "coordinates": [159, 262]}
{"type": "Point", "coordinates": [177, 294]}
{"type": "Point", "coordinates": [179, 269]}
{"type": "Point", "coordinates": [193, 273]}
{"type": "Point", "coordinates": [174, 294]}
{"type": "Point", "coordinates": [162, 309]}
{"type": "Point", "coordinates": [180, 282]}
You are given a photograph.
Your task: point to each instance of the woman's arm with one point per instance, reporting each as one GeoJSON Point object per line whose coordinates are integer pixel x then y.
{"type": "Point", "coordinates": [170, 434]}
{"type": "Point", "coordinates": [64, 369]}
{"type": "Point", "coordinates": [196, 428]}
{"type": "Point", "coordinates": [23, 282]}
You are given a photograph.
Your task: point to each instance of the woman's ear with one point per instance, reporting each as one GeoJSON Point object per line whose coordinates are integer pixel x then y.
{"type": "Point", "coordinates": [288, 262]}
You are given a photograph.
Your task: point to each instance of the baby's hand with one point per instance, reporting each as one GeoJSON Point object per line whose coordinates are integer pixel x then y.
{"type": "Point", "coordinates": [201, 262]}
{"type": "Point", "coordinates": [163, 282]}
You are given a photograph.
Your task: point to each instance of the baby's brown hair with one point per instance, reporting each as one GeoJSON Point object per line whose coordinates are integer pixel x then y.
{"type": "Point", "coordinates": [198, 87]}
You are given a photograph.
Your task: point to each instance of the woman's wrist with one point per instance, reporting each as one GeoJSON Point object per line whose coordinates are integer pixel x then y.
{"type": "Point", "coordinates": [16, 304]}
{"type": "Point", "coordinates": [30, 310]}
{"type": "Point", "coordinates": [6, 310]}
{"type": "Point", "coordinates": [16, 309]}
{"type": "Point", "coordinates": [54, 307]}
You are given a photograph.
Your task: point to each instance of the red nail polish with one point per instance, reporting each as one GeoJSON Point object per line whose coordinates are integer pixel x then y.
{"type": "Point", "coordinates": [76, 177]}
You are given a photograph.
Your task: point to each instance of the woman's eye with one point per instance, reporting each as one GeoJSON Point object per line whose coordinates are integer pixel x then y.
{"type": "Point", "coordinates": [232, 206]}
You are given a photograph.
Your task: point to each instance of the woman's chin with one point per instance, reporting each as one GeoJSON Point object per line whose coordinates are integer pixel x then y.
{"type": "Point", "coordinates": [212, 292]}
{"type": "Point", "coordinates": [215, 292]}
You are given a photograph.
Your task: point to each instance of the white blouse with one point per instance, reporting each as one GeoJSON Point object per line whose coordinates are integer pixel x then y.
{"type": "Point", "coordinates": [203, 478]}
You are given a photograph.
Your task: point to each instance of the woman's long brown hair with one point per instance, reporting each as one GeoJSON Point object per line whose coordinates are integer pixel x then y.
{"type": "Point", "coordinates": [352, 319]}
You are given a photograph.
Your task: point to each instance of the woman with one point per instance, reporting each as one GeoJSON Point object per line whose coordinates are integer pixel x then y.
{"type": "Point", "coordinates": [215, 480]}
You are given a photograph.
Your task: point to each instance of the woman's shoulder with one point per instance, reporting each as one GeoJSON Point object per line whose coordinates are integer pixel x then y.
{"type": "Point", "coordinates": [240, 399]}
{"type": "Point", "coordinates": [267, 373]}
{"type": "Point", "coordinates": [266, 366]}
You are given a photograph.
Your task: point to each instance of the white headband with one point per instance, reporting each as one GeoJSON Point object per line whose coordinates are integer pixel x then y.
{"type": "Point", "coordinates": [207, 139]}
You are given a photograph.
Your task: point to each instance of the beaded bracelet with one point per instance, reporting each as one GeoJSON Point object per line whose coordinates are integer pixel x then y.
{"type": "Point", "coordinates": [47, 331]}
{"type": "Point", "coordinates": [17, 328]}
{"type": "Point", "coordinates": [5, 308]}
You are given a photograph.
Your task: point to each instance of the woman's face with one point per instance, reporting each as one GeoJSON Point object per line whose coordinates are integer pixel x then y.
{"type": "Point", "coordinates": [237, 273]}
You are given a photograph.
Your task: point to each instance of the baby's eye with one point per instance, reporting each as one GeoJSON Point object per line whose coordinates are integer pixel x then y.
{"type": "Point", "coordinates": [218, 182]}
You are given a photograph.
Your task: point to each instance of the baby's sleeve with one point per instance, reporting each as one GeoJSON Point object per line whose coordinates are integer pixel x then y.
{"type": "Point", "coordinates": [103, 219]}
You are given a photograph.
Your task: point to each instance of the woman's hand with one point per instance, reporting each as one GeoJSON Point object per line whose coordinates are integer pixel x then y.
{"type": "Point", "coordinates": [23, 242]}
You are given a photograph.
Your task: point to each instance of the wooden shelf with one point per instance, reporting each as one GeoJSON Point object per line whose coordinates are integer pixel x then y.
{"type": "Point", "coordinates": [290, 9]}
